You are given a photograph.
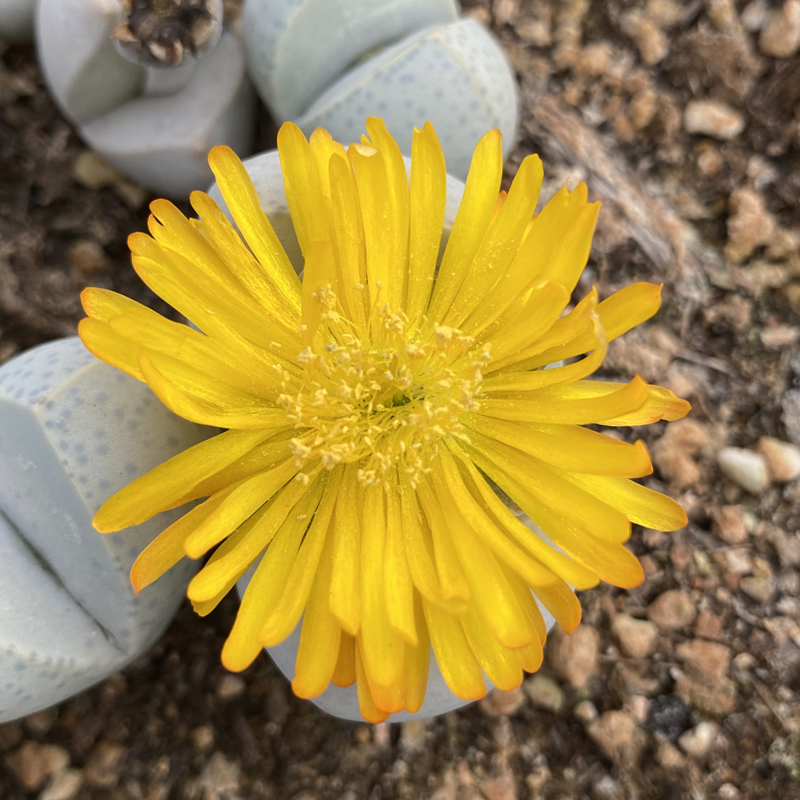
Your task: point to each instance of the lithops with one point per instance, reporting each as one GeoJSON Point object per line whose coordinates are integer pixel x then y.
{"type": "Point", "coordinates": [331, 64]}
{"type": "Point", "coordinates": [296, 50]}
{"type": "Point", "coordinates": [151, 92]}
{"type": "Point", "coordinates": [454, 76]}
{"type": "Point", "coordinates": [73, 431]}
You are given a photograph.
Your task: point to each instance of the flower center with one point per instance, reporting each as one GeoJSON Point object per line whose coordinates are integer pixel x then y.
{"type": "Point", "coordinates": [384, 399]}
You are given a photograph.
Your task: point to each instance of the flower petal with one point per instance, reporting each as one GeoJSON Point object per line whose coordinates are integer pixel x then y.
{"type": "Point", "coordinates": [568, 447]}
{"type": "Point", "coordinates": [427, 207]}
{"type": "Point", "coordinates": [160, 488]}
{"type": "Point", "coordinates": [242, 201]}
{"type": "Point", "coordinates": [570, 404]}
{"type": "Point", "coordinates": [471, 223]}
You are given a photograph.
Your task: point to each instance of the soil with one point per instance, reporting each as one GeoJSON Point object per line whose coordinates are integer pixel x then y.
{"type": "Point", "coordinates": [686, 687]}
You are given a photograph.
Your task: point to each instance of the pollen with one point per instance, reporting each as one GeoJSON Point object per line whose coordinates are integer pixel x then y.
{"type": "Point", "coordinates": [387, 402]}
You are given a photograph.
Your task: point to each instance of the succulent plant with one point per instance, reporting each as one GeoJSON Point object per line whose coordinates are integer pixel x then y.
{"type": "Point", "coordinates": [72, 431]}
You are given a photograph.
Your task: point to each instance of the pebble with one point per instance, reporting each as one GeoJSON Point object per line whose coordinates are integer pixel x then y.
{"type": "Point", "coordinates": [498, 703]}
{"type": "Point", "coordinates": [33, 763]}
{"type": "Point", "coordinates": [676, 466]}
{"type": "Point", "coordinates": [788, 547]}
{"type": "Point", "coordinates": [688, 435]}
{"type": "Point", "coordinates": [710, 659]}
{"type": "Point", "coordinates": [669, 756]}
{"type": "Point", "coordinates": [649, 38]}
{"type": "Point", "coordinates": [63, 786]}
{"type": "Point", "coordinates": [669, 715]}
{"type": "Point", "coordinates": [780, 36]}
{"type": "Point", "coordinates": [744, 661]}
{"type": "Point", "coordinates": [40, 722]}
{"type": "Point", "coordinates": [672, 610]}
{"type": "Point", "coordinates": [750, 224]}
{"type": "Point", "coordinates": [103, 767]}
{"type": "Point", "coordinates": [754, 16]}
{"type": "Point", "coordinates": [220, 778]}
{"type": "Point", "coordinates": [728, 792]}
{"type": "Point", "coordinates": [414, 734]}
{"type": "Point", "coordinates": [745, 468]}
{"type": "Point", "coordinates": [230, 687]}
{"type": "Point", "coordinates": [501, 788]}
{"type": "Point", "coordinates": [203, 738]}
{"type": "Point", "coordinates": [93, 172]}
{"type": "Point", "coordinates": [697, 741]}
{"type": "Point", "coordinates": [729, 524]}
{"type": "Point", "coordinates": [758, 587]}
{"type": "Point", "coordinates": [574, 656]}
{"type": "Point", "coordinates": [637, 638]}
{"type": "Point", "coordinates": [606, 788]}
{"type": "Point", "coordinates": [619, 737]}
{"type": "Point", "coordinates": [88, 258]}
{"type": "Point", "coordinates": [779, 337]}
{"type": "Point", "coordinates": [739, 562]}
{"type": "Point", "coordinates": [712, 118]}
{"type": "Point", "coordinates": [586, 711]}
{"type": "Point", "coordinates": [783, 459]}
{"type": "Point", "coordinates": [545, 693]}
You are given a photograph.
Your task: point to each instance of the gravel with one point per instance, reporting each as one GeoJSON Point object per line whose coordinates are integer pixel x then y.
{"type": "Point", "coordinates": [606, 88]}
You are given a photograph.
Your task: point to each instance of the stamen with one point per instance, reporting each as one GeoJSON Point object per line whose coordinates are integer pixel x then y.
{"type": "Point", "coordinates": [384, 402]}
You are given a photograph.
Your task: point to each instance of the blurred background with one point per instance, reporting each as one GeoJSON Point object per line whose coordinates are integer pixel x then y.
{"type": "Point", "coordinates": [684, 119]}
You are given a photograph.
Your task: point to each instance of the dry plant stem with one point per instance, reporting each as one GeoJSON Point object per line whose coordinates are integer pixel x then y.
{"type": "Point", "coordinates": [666, 240]}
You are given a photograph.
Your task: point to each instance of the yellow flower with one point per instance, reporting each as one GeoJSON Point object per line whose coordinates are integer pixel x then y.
{"type": "Point", "coordinates": [369, 406]}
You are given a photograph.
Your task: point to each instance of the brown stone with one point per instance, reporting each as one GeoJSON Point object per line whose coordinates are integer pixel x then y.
{"type": "Point", "coordinates": [619, 738]}
{"type": "Point", "coordinates": [708, 625]}
{"type": "Point", "coordinates": [230, 687]}
{"type": "Point", "coordinates": [783, 459]}
{"type": "Point", "coordinates": [749, 224]}
{"type": "Point", "coordinates": [758, 587]}
{"type": "Point", "coordinates": [220, 778]}
{"type": "Point", "coordinates": [544, 692]}
{"type": "Point", "coordinates": [498, 703]}
{"type": "Point", "coordinates": [574, 656]}
{"type": "Point", "coordinates": [687, 434]}
{"type": "Point", "coordinates": [64, 786]}
{"type": "Point", "coordinates": [676, 466]}
{"type": "Point", "coordinates": [88, 259]}
{"type": "Point", "coordinates": [32, 763]}
{"type": "Point", "coordinates": [637, 638]}
{"type": "Point", "coordinates": [669, 756]}
{"type": "Point", "coordinates": [503, 787]}
{"type": "Point", "coordinates": [103, 767]}
{"type": "Point", "coordinates": [729, 524]}
{"type": "Point", "coordinates": [712, 697]}
{"type": "Point", "coordinates": [788, 547]}
{"type": "Point", "coordinates": [710, 659]}
{"type": "Point", "coordinates": [780, 36]}
{"type": "Point", "coordinates": [672, 610]}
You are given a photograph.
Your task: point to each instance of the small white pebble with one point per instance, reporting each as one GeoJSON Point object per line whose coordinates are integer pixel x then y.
{"type": "Point", "coordinates": [697, 741]}
{"type": "Point", "coordinates": [713, 119]}
{"type": "Point", "coordinates": [745, 468]}
{"type": "Point", "coordinates": [728, 792]}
